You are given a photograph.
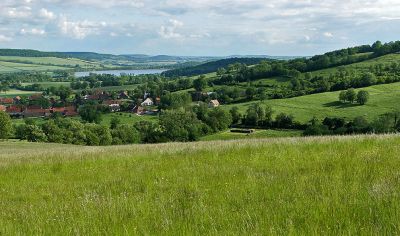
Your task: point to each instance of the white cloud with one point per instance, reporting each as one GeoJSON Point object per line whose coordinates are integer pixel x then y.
{"type": "Point", "coordinates": [80, 29]}
{"type": "Point", "coordinates": [20, 12]}
{"type": "Point", "coordinates": [328, 34]}
{"type": "Point", "coordinates": [4, 38]}
{"type": "Point", "coordinates": [46, 14]}
{"type": "Point", "coordinates": [170, 31]}
{"type": "Point", "coordinates": [33, 31]}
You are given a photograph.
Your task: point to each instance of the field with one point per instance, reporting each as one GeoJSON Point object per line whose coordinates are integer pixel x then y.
{"type": "Point", "coordinates": [362, 66]}
{"type": "Point", "coordinates": [19, 64]}
{"type": "Point", "coordinates": [295, 186]}
{"type": "Point", "coordinates": [383, 98]}
{"type": "Point", "coordinates": [227, 135]}
{"type": "Point", "coordinates": [16, 92]}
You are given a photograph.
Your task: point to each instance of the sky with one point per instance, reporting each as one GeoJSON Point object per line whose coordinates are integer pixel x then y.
{"type": "Point", "coordinates": [197, 27]}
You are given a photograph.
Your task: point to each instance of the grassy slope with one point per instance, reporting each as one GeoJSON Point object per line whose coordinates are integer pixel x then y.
{"type": "Point", "coordinates": [328, 186]}
{"type": "Point", "coordinates": [383, 98]}
{"type": "Point", "coordinates": [363, 66]}
{"type": "Point", "coordinates": [227, 135]}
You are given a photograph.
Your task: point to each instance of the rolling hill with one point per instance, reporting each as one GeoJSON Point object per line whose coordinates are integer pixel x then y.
{"type": "Point", "coordinates": [383, 99]}
{"type": "Point", "coordinates": [330, 185]}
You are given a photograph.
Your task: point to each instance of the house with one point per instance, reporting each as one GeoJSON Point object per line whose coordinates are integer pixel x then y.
{"type": "Point", "coordinates": [147, 102]}
{"type": "Point", "coordinates": [6, 101]}
{"type": "Point", "coordinates": [92, 97]}
{"type": "Point", "coordinates": [14, 110]}
{"type": "Point", "coordinates": [213, 103]}
{"type": "Point", "coordinates": [17, 99]}
{"type": "Point", "coordinates": [158, 100]}
{"type": "Point", "coordinates": [123, 95]}
{"type": "Point", "coordinates": [70, 111]}
{"type": "Point", "coordinates": [3, 108]}
{"type": "Point", "coordinates": [139, 110]}
{"type": "Point", "coordinates": [114, 105]}
{"type": "Point", "coordinates": [35, 111]}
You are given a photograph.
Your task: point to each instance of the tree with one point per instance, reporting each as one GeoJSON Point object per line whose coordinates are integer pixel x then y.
{"type": "Point", "coordinates": [362, 97]}
{"type": "Point", "coordinates": [175, 101]}
{"type": "Point", "coordinates": [351, 95]}
{"type": "Point", "coordinates": [343, 96]}
{"type": "Point", "coordinates": [125, 134]}
{"type": "Point", "coordinates": [284, 120]}
{"type": "Point", "coordinates": [180, 125]}
{"type": "Point", "coordinates": [63, 92]}
{"type": "Point", "coordinates": [368, 79]}
{"type": "Point", "coordinates": [255, 115]}
{"type": "Point", "coordinates": [89, 113]}
{"type": "Point", "coordinates": [218, 119]}
{"type": "Point", "coordinates": [34, 133]}
{"type": "Point", "coordinates": [5, 125]}
{"type": "Point", "coordinates": [250, 92]}
{"type": "Point", "coordinates": [200, 83]}
{"type": "Point", "coordinates": [115, 122]}
{"type": "Point", "coordinates": [236, 116]}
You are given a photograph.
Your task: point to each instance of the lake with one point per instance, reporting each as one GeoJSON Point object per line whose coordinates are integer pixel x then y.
{"type": "Point", "coordinates": [119, 72]}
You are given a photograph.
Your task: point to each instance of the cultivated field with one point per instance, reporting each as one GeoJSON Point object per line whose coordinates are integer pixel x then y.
{"type": "Point", "coordinates": [306, 186]}
{"type": "Point", "coordinates": [22, 64]}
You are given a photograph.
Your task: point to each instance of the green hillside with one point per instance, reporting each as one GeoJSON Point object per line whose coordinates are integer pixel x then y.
{"type": "Point", "coordinates": [383, 98]}
{"type": "Point", "coordinates": [306, 186]}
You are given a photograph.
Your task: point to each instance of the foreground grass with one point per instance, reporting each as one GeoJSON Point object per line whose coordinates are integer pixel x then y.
{"type": "Point", "coordinates": [330, 186]}
{"type": "Point", "coordinates": [228, 135]}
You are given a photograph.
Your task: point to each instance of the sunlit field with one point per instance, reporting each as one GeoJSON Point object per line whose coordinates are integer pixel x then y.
{"type": "Point", "coordinates": [323, 186]}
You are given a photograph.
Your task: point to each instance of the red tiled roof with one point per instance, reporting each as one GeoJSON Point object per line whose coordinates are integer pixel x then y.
{"type": "Point", "coordinates": [58, 109]}
{"type": "Point", "coordinates": [6, 100]}
{"type": "Point", "coordinates": [13, 109]}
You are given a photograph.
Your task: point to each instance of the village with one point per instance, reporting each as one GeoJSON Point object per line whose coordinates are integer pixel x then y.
{"type": "Point", "coordinates": [42, 106]}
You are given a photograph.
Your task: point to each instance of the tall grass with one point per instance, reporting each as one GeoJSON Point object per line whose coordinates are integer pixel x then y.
{"type": "Point", "coordinates": [329, 186]}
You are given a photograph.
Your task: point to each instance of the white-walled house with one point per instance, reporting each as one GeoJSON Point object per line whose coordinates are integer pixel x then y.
{"type": "Point", "coordinates": [147, 102]}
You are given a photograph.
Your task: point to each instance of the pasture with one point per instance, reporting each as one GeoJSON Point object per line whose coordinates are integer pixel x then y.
{"type": "Point", "coordinates": [292, 186]}
{"type": "Point", "coordinates": [383, 98]}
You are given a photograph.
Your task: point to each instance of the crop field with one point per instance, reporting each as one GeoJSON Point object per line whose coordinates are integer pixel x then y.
{"type": "Point", "coordinates": [49, 60]}
{"type": "Point", "coordinates": [290, 186]}
{"type": "Point", "coordinates": [7, 67]}
{"type": "Point", "coordinates": [383, 98]}
{"type": "Point", "coordinates": [19, 64]}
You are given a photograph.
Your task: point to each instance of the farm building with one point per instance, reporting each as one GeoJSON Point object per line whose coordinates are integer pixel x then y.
{"type": "Point", "coordinates": [213, 103]}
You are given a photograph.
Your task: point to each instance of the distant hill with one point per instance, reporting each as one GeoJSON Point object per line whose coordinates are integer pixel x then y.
{"type": "Point", "coordinates": [211, 66]}
{"type": "Point", "coordinates": [29, 53]}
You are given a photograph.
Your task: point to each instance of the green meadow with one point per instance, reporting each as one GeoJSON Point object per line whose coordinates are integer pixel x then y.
{"type": "Point", "coordinates": [383, 98]}
{"type": "Point", "coordinates": [289, 186]}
